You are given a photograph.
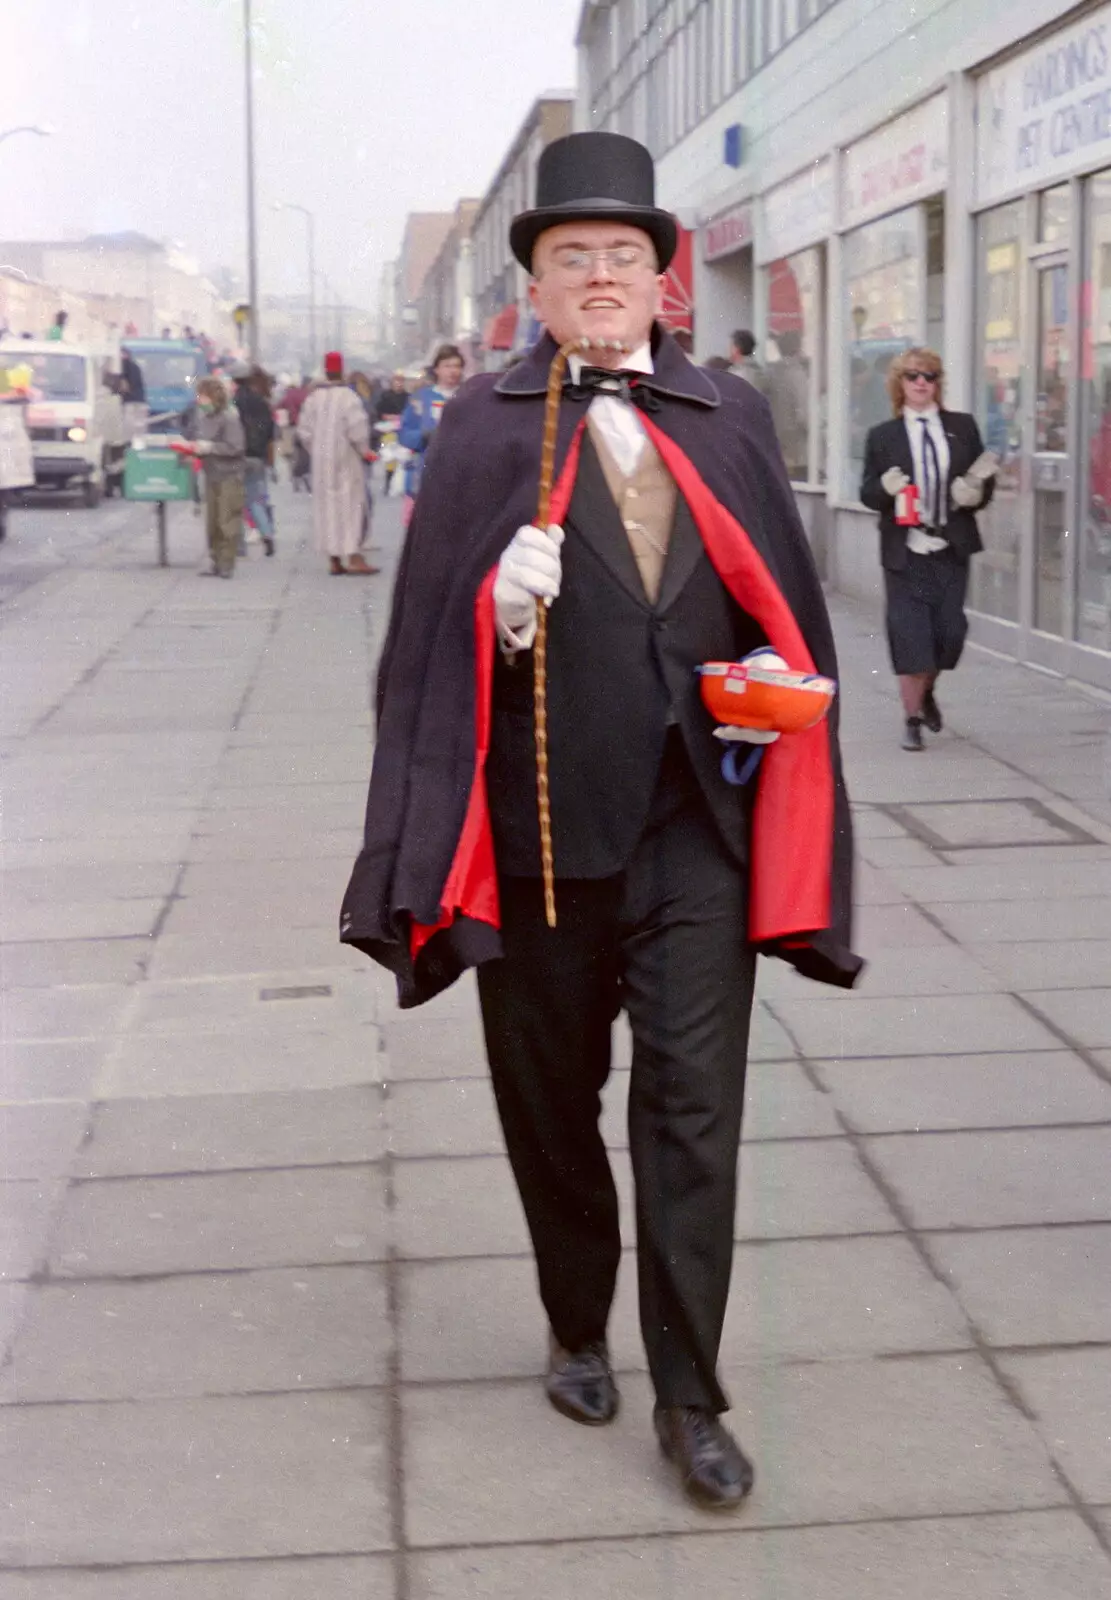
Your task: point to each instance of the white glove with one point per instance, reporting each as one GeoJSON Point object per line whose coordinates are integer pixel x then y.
{"type": "Point", "coordinates": [529, 570]}
{"type": "Point", "coordinates": [893, 480]}
{"type": "Point", "coordinates": [966, 493]}
{"type": "Point", "coordinates": [201, 447]}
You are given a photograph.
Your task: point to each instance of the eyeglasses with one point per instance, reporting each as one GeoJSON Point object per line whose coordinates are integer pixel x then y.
{"type": "Point", "coordinates": [623, 260]}
{"type": "Point", "coordinates": [914, 374]}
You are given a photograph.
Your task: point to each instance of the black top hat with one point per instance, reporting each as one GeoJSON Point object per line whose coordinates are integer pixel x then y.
{"type": "Point", "coordinates": [595, 177]}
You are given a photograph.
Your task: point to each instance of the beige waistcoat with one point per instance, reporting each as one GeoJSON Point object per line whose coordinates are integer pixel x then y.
{"type": "Point", "coordinates": [646, 500]}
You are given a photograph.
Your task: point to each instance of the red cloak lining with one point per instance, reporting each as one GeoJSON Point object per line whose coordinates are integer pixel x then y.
{"type": "Point", "coordinates": [792, 823]}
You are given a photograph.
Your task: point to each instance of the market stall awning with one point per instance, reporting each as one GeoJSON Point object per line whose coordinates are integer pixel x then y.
{"type": "Point", "coordinates": [500, 329]}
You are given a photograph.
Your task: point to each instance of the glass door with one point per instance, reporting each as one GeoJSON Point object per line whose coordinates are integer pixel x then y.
{"type": "Point", "coordinates": [1093, 578]}
{"type": "Point", "coordinates": [1051, 464]}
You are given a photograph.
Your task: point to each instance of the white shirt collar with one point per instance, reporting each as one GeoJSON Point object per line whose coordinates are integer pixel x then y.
{"type": "Point", "coordinates": [639, 360]}
{"type": "Point", "coordinates": [930, 414]}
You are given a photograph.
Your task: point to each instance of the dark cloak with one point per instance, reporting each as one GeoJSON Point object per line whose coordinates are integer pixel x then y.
{"type": "Point", "coordinates": [422, 899]}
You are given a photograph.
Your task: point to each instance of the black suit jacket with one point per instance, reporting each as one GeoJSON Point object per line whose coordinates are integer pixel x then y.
{"type": "Point", "coordinates": [888, 446]}
{"type": "Point", "coordinates": [619, 669]}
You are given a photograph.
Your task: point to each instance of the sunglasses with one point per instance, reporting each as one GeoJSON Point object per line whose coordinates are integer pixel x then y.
{"type": "Point", "coordinates": [913, 374]}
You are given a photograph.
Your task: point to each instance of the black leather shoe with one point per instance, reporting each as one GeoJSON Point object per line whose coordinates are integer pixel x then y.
{"type": "Point", "coordinates": [912, 734]}
{"type": "Point", "coordinates": [931, 712]}
{"type": "Point", "coordinates": [581, 1385]}
{"type": "Point", "coordinates": [715, 1471]}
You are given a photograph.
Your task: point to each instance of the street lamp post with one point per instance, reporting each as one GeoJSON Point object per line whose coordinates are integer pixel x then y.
{"type": "Point", "coordinates": [252, 244]}
{"type": "Point", "coordinates": [290, 205]}
{"type": "Point", "coordinates": [27, 127]}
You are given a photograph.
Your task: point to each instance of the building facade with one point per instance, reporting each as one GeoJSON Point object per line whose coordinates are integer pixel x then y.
{"type": "Point", "coordinates": [421, 242]}
{"type": "Point", "coordinates": [500, 284]}
{"type": "Point", "coordinates": [864, 177]}
{"type": "Point", "coordinates": [446, 310]}
{"type": "Point", "coordinates": [129, 283]}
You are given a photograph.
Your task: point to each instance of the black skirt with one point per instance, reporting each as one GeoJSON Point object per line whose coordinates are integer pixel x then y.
{"type": "Point", "coordinates": [926, 624]}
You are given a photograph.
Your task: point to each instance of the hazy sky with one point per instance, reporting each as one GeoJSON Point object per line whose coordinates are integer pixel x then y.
{"type": "Point", "coordinates": [363, 111]}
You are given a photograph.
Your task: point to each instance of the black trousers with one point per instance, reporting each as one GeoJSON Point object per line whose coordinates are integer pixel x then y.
{"type": "Point", "coordinates": [665, 941]}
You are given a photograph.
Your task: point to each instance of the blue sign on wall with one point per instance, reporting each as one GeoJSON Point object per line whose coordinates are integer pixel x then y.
{"type": "Point", "coordinates": [734, 145]}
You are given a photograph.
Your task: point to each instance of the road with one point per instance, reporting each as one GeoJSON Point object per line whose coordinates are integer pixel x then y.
{"type": "Point", "coordinates": [267, 1308]}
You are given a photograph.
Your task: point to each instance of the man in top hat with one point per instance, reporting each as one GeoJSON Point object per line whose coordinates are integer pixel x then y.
{"type": "Point", "coordinates": [335, 429]}
{"type": "Point", "coordinates": [674, 540]}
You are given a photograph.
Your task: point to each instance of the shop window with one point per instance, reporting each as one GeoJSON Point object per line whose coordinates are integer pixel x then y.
{"type": "Point", "coordinates": [1093, 578]}
{"type": "Point", "coordinates": [796, 387]}
{"type": "Point", "coordinates": [1054, 207]}
{"type": "Point", "coordinates": [995, 573]}
{"type": "Point", "coordinates": [884, 280]}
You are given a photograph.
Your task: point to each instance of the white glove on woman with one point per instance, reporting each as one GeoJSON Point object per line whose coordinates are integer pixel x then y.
{"type": "Point", "coordinates": [530, 569]}
{"type": "Point", "coordinates": [201, 447]}
{"type": "Point", "coordinates": [893, 480]}
{"type": "Point", "coordinates": [967, 493]}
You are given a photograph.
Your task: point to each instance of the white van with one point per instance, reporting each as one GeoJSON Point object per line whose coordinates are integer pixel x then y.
{"type": "Point", "coordinates": [75, 417]}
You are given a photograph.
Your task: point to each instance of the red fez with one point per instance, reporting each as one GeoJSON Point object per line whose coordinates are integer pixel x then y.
{"type": "Point", "coordinates": [333, 364]}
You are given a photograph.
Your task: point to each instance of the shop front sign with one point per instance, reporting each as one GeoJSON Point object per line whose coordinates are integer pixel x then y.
{"type": "Point", "coordinates": [797, 214]}
{"type": "Point", "coordinates": [731, 231]}
{"type": "Point", "coordinates": [904, 161]}
{"type": "Point", "coordinates": [1047, 113]}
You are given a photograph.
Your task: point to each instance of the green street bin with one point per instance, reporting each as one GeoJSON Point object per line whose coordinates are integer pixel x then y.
{"type": "Point", "coordinates": [157, 474]}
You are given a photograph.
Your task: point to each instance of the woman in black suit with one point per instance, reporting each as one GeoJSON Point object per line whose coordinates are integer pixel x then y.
{"type": "Point", "coordinates": [925, 566]}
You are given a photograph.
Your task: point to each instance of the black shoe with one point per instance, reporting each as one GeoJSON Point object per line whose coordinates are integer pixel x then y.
{"type": "Point", "coordinates": [268, 546]}
{"type": "Point", "coordinates": [912, 734]}
{"type": "Point", "coordinates": [931, 712]}
{"type": "Point", "coordinates": [715, 1471]}
{"type": "Point", "coordinates": [581, 1385]}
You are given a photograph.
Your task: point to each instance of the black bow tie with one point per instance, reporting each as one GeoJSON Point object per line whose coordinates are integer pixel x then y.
{"type": "Point", "coordinates": [621, 385]}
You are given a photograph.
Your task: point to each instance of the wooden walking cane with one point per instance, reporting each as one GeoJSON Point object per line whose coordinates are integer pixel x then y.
{"type": "Point", "coordinates": [556, 375]}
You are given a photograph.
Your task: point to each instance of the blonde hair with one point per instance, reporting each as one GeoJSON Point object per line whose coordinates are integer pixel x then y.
{"type": "Point", "coordinates": [212, 389]}
{"type": "Point", "coordinates": [917, 357]}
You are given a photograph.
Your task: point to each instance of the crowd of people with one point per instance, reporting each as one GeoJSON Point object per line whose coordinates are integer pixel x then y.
{"type": "Point", "coordinates": [330, 430]}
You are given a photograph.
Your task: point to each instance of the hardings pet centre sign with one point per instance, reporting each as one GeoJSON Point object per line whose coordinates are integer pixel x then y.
{"type": "Point", "coordinates": [1047, 113]}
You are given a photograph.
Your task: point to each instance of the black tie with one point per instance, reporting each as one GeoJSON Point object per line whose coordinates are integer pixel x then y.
{"type": "Point", "coordinates": [622, 385]}
{"type": "Point", "coordinates": [931, 489]}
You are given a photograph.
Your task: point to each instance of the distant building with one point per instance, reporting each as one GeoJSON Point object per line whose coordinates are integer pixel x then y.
{"type": "Point", "coordinates": [500, 285]}
{"type": "Point", "coordinates": [424, 236]}
{"type": "Point", "coordinates": [388, 325]}
{"type": "Point", "coordinates": [446, 308]}
{"type": "Point", "coordinates": [127, 281]}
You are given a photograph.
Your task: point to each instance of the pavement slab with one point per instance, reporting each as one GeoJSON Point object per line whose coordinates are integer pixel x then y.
{"type": "Point", "coordinates": [941, 970]}
{"type": "Point", "coordinates": [996, 1179]}
{"type": "Point", "coordinates": [53, 1070]}
{"type": "Point", "coordinates": [934, 1025]}
{"type": "Point", "coordinates": [1070, 1393]}
{"type": "Point", "coordinates": [254, 1003]}
{"type": "Point", "coordinates": [1046, 964]}
{"type": "Point", "coordinates": [492, 1463]}
{"type": "Point", "coordinates": [333, 1578]}
{"type": "Point", "coordinates": [207, 1133]}
{"type": "Point", "coordinates": [933, 1093]}
{"type": "Point", "coordinates": [1081, 1014]}
{"type": "Point", "coordinates": [241, 1063]}
{"type": "Point", "coordinates": [136, 1227]}
{"type": "Point", "coordinates": [1031, 1286]}
{"type": "Point", "coordinates": [206, 1479]}
{"type": "Point", "coordinates": [810, 1300]}
{"type": "Point", "coordinates": [64, 1013]}
{"type": "Point", "coordinates": [50, 963]}
{"type": "Point", "coordinates": [39, 1140]}
{"type": "Point", "coordinates": [239, 1333]}
{"type": "Point", "coordinates": [28, 1212]}
{"type": "Point", "coordinates": [1022, 1556]}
